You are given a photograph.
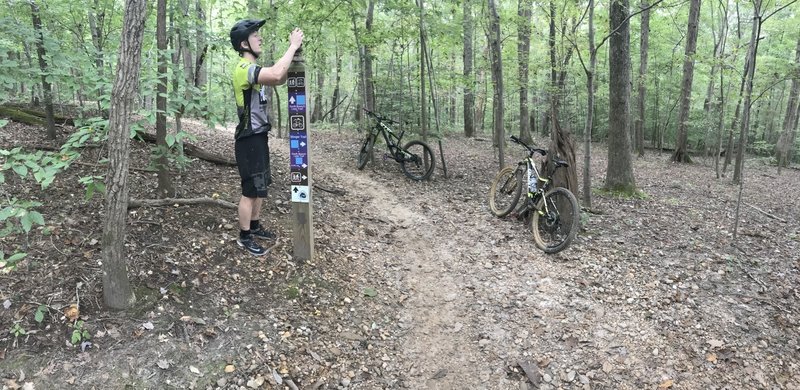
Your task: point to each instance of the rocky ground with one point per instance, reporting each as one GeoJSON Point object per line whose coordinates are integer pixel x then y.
{"type": "Point", "coordinates": [414, 285]}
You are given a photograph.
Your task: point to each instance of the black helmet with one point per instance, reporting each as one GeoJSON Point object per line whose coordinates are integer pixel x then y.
{"type": "Point", "coordinates": [242, 30]}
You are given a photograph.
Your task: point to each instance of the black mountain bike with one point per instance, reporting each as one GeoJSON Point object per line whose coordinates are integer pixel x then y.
{"type": "Point", "coordinates": [554, 213]}
{"type": "Point", "coordinates": [416, 157]}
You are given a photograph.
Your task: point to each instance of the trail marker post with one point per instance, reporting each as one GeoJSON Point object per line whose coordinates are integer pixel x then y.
{"type": "Point", "coordinates": [300, 160]}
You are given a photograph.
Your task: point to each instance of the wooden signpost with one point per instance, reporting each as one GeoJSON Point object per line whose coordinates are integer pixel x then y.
{"type": "Point", "coordinates": [300, 160]}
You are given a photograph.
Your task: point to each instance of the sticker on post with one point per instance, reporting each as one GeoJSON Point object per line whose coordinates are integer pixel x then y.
{"type": "Point", "coordinates": [300, 194]}
{"type": "Point", "coordinates": [298, 122]}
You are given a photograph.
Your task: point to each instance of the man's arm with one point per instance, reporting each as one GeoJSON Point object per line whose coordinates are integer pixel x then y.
{"type": "Point", "coordinates": [277, 73]}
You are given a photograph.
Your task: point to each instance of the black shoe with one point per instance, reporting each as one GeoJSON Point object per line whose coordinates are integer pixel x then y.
{"type": "Point", "coordinates": [250, 244]}
{"type": "Point", "coordinates": [262, 233]}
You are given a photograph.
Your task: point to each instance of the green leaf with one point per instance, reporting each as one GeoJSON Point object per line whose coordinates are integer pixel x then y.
{"type": "Point", "coordinates": [7, 213]}
{"type": "Point", "coordinates": [170, 139]}
{"type": "Point", "coordinates": [76, 336]}
{"type": "Point", "coordinates": [370, 292]}
{"type": "Point", "coordinates": [27, 223]}
{"type": "Point", "coordinates": [36, 217]}
{"type": "Point", "coordinates": [39, 316]}
{"type": "Point", "coordinates": [21, 170]}
{"type": "Point", "coordinates": [16, 257]}
{"type": "Point", "coordinates": [3, 123]}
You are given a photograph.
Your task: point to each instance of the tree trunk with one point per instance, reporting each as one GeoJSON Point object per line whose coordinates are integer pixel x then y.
{"type": "Point", "coordinates": [524, 46]}
{"type": "Point", "coordinates": [117, 292]}
{"type": "Point", "coordinates": [96, 23]}
{"type": "Point", "coordinates": [737, 112]}
{"type": "Point", "coordinates": [469, 87]}
{"type": "Point", "coordinates": [497, 81]}
{"type": "Point", "coordinates": [336, 92]}
{"type": "Point", "coordinates": [752, 50]}
{"type": "Point", "coordinates": [642, 80]}
{"type": "Point", "coordinates": [201, 69]}
{"type": "Point", "coordinates": [552, 97]}
{"type": "Point", "coordinates": [619, 173]}
{"type": "Point", "coordinates": [681, 149]}
{"type": "Point", "coordinates": [369, 86]}
{"type": "Point", "coordinates": [587, 131]}
{"type": "Point", "coordinates": [316, 113]}
{"type": "Point", "coordinates": [186, 49]}
{"type": "Point", "coordinates": [790, 120]}
{"type": "Point", "coordinates": [47, 92]}
{"type": "Point", "coordinates": [165, 187]}
{"type": "Point", "coordinates": [709, 104]}
{"type": "Point", "coordinates": [423, 99]}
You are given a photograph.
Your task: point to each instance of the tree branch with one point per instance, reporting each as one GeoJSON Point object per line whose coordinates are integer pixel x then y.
{"type": "Point", "coordinates": [603, 41]}
{"type": "Point", "coordinates": [135, 203]}
{"type": "Point", "coordinates": [764, 19]}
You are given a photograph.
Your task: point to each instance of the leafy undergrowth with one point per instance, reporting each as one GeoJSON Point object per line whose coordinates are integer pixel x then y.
{"type": "Point", "coordinates": [654, 292]}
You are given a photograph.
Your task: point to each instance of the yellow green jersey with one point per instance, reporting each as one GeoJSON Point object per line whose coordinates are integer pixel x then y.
{"type": "Point", "coordinates": [251, 100]}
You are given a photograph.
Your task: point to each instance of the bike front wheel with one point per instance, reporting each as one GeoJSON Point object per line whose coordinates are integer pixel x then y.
{"type": "Point", "coordinates": [365, 152]}
{"type": "Point", "coordinates": [505, 191]}
{"type": "Point", "coordinates": [417, 161]}
{"type": "Point", "coordinates": [555, 220]}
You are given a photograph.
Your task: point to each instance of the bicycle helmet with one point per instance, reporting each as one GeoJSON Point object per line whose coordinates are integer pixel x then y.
{"type": "Point", "coordinates": [241, 31]}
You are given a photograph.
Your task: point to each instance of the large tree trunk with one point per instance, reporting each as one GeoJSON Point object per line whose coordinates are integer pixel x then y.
{"type": "Point", "coordinates": [681, 149]}
{"type": "Point", "coordinates": [619, 173]}
{"type": "Point", "coordinates": [790, 120]}
{"type": "Point", "coordinates": [642, 80]}
{"type": "Point", "coordinates": [752, 50]}
{"type": "Point", "coordinates": [165, 187]}
{"type": "Point", "coordinates": [117, 292]}
{"type": "Point", "coordinates": [497, 81]}
{"type": "Point", "coordinates": [47, 92]}
{"type": "Point", "coordinates": [469, 86]}
{"type": "Point", "coordinates": [524, 45]}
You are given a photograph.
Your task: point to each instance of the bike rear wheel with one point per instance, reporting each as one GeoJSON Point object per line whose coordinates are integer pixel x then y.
{"type": "Point", "coordinates": [505, 191]}
{"type": "Point", "coordinates": [555, 220]}
{"type": "Point", "coordinates": [365, 152]}
{"type": "Point", "coordinates": [417, 161]}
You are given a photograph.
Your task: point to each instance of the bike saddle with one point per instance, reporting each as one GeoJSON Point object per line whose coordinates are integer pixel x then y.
{"type": "Point", "coordinates": [560, 163]}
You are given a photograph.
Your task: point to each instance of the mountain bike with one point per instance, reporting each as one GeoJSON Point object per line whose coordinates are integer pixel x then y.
{"type": "Point", "coordinates": [553, 212]}
{"type": "Point", "coordinates": [415, 158]}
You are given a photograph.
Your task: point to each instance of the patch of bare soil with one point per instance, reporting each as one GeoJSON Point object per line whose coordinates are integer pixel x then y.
{"type": "Point", "coordinates": [414, 285]}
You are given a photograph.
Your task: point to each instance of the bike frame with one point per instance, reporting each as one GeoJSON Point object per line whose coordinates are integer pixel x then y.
{"type": "Point", "coordinates": [393, 141]}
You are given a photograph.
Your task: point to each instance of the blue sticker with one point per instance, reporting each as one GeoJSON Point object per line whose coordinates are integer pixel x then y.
{"type": "Point", "coordinates": [294, 144]}
{"type": "Point", "coordinates": [301, 100]}
{"type": "Point", "coordinates": [298, 161]}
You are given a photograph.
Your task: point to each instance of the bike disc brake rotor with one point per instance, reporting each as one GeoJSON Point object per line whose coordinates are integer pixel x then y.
{"type": "Point", "coordinates": [551, 222]}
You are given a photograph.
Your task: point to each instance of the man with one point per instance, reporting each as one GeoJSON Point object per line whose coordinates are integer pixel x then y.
{"type": "Point", "coordinates": [251, 145]}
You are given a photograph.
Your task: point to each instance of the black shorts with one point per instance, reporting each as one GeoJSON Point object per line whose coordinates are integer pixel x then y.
{"type": "Point", "coordinates": [252, 158]}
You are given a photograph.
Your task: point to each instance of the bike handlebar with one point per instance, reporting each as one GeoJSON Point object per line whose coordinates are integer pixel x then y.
{"type": "Point", "coordinates": [378, 117]}
{"type": "Point", "coordinates": [531, 150]}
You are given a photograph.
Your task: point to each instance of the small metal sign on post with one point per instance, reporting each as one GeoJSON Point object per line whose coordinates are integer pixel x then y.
{"type": "Point", "coordinates": [300, 160]}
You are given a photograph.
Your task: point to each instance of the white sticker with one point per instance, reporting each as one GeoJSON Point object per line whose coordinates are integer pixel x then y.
{"type": "Point", "coordinates": [300, 194]}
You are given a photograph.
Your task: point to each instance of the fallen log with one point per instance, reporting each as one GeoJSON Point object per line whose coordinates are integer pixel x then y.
{"type": "Point", "coordinates": [21, 117]}
{"type": "Point", "coordinates": [136, 203]}
{"type": "Point", "coordinates": [62, 120]}
{"type": "Point", "coordinates": [36, 118]}
{"type": "Point", "coordinates": [193, 150]}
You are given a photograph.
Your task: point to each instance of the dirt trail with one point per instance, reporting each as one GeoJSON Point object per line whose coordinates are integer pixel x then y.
{"type": "Point", "coordinates": [436, 352]}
